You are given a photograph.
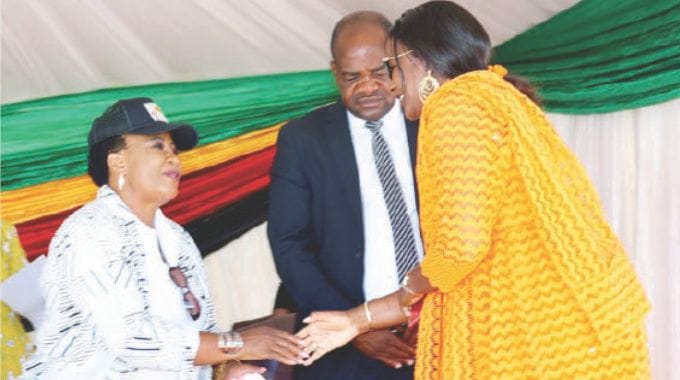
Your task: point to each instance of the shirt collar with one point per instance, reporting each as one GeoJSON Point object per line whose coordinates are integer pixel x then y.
{"type": "Point", "coordinates": [393, 117]}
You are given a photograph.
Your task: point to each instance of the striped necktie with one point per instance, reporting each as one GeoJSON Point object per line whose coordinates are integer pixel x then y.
{"type": "Point", "coordinates": [402, 230]}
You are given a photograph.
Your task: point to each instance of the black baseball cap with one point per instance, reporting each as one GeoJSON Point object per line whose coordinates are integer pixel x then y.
{"type": "Point", "coordinates": [143, 117]}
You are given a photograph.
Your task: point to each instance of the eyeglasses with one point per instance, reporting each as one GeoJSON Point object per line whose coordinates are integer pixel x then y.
{"type": "Point", "coordinates": [190, 301]}
{"type": "Point", "coordinates": [398, 55]}
{"type": "Point", "coordinates": [387, 61]}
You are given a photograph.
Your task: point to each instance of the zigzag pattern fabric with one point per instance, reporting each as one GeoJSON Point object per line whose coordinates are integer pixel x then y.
{"type": "Point", "coordinates": [405, 252]}
{"type": "Point", "coordinates": [532, 282]}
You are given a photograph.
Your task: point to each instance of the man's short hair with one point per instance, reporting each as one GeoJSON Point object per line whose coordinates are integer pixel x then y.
{"type": "Point", "coordinates": [369, 17]}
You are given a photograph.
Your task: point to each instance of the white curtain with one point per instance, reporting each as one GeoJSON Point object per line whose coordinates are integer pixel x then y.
{"type": "Point", "coordinates": [242, 278]}
{"type": "Point", "coordinates": [633, 158]}
{"type": "Point", "coordinates": [57, 47]}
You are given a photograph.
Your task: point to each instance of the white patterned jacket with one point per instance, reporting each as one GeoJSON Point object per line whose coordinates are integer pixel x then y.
{"type": "Point", "coordinates": [97, 320]}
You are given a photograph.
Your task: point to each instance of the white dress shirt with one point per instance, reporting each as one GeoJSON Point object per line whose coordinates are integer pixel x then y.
{"type": "Point", "coordinates": [380, 268]}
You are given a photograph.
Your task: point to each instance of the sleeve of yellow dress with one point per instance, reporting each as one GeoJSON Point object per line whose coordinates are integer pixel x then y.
{"type": "Point", "coordinates": [460, 183]}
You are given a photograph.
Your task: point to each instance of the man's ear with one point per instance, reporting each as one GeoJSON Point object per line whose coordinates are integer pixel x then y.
{"type": "Point", "coordinates": [336, 75]}
{"type": "Point", "coordinates": [334, 68]}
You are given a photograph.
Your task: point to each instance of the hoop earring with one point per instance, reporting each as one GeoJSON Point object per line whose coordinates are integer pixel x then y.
{"type": "Point", "coordinates": [427, 86]}
{"type": "Point", "coordinates": [121, 182]}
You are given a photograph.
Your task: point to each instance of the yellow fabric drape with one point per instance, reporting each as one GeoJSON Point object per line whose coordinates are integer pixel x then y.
{"type": "Point", "coordinates": [56, 196]}
{"type": "Point", "coordinates": [15, 341]}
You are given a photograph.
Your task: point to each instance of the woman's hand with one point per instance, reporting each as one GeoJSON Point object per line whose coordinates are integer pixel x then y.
{"type": "Point", "coordinates": [328, 330]}
{"type": "Point", "coordinates": [264, 342]}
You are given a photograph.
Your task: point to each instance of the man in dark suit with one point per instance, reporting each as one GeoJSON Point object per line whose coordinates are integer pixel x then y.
{"type": "Point", "coordinates": [330, 229]}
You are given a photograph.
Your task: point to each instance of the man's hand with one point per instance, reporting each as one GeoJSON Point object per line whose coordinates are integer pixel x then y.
{"type": "Point", "coordinates": [410, 336]}
{"type": "Point", "coordinates": [387, 347]}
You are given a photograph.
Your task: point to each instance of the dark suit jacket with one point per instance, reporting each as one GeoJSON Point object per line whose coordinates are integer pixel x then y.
{"type": "Point", "coordinates": [316, 232]}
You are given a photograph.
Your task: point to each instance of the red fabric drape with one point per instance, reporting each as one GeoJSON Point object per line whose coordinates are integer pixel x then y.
{"type": "Point", "coordinates": [200, 194]}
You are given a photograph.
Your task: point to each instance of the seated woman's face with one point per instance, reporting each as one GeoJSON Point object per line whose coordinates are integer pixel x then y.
{"type": "Point", "coordinates": [152, 167]}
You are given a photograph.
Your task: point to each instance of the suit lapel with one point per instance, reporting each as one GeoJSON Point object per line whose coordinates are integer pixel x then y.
{"type": "Point", "coordinates": [412, 135]}
{"type": "Point", "coordinates": [339, 140]}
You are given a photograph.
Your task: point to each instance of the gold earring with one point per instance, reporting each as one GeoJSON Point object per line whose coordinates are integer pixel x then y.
{"type": "Point", "coordinates": [427, 86]}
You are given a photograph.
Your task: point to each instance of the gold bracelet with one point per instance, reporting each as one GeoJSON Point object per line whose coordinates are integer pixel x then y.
{"type": "Point", "coordinates": [404, 284]}
{"type": "Point", "coordinates": [367, 312]}
{"type": "Point", "coordinates": [411, 292]}
{"type": "Point", "coordinates": [220, 370]}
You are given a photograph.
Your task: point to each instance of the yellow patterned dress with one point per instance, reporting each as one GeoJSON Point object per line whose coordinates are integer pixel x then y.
{"type": "Point", "coordinates": [533, 283]}
{"type": "Point", "coordinates": [15, 341]}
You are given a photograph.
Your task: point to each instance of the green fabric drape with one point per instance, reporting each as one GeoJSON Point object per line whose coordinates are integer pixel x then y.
{"type": "Point", "coordinates": [598, 56]}
{"type": "Point", "coordinates": [46, 139]}
{"type": "Point", "coordinates": [601, 56]}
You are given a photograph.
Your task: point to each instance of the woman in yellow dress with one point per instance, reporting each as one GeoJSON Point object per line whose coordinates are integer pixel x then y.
{"type": "Point", "coordinates": [522, 276]}
{"type": "Point", "coordinates": [15, 341]}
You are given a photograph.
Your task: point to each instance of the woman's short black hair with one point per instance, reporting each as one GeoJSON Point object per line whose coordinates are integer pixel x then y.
{"type": "Point", "coordinates": [97, 166]}
{"type": "Point", "coordinates": [446, 36]}
{"type": "Point", "coordinates": [450, 40]}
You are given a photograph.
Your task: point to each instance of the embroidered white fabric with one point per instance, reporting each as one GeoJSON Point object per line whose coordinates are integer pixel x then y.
{"type": "Point", "coordinates": [100, 322]}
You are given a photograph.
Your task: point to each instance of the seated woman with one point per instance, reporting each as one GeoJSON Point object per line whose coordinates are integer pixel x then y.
{"type": "Point", "coordinates": [125, 288]}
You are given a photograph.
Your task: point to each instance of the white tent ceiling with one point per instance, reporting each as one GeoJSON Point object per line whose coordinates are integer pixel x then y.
{"type": "Point", "coordinates": [56, 47]}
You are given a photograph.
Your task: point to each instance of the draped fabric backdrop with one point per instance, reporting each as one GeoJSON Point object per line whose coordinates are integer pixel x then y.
{"type": "Point", "coordinates": [633, 159]}
{"type": "Point", "coordinates": [608, 72]}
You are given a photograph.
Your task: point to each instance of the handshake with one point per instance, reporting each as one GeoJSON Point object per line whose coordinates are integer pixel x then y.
{"type": "Point", "coordinates": [370, 327]}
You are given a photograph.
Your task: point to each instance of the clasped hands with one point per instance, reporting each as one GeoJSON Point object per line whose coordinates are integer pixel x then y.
{"type": "Point", "coordinates": [328, 330]}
